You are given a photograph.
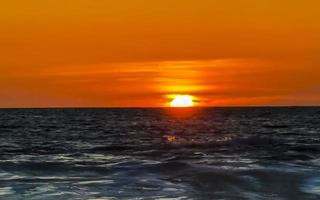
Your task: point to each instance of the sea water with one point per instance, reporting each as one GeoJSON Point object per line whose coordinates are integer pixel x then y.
{"type": "Point", "coordinates": [200, 153]}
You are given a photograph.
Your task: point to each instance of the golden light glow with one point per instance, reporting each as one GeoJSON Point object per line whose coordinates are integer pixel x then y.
{"type": "Point", "coordinates": [182, 101]}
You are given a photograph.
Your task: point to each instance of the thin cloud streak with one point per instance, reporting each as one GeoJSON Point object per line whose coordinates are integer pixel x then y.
{"type": "Point", "coordinates": [213, 82]}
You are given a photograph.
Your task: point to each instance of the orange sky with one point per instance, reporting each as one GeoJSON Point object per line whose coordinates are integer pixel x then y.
{"type": "Point", "coordinates": [61, 53]}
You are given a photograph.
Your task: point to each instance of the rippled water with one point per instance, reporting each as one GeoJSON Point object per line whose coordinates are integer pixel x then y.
{"type": "Point", "coordinates": [213, 153]}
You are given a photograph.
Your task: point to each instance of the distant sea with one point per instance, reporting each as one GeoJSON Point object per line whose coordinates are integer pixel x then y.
{"type": "Point", "coordinates": [175, 154]}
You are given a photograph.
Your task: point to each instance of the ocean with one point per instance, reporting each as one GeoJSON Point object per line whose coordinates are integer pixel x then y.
{"type": "Point", "coordinates": [169, 154]}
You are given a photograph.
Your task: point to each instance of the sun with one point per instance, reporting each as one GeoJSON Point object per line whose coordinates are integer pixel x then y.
{"type": "Point", "coordinates": [182, 101]}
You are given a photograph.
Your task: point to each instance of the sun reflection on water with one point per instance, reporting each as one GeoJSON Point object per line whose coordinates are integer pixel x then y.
{"type": "Point", "coordinates": [182, 112]}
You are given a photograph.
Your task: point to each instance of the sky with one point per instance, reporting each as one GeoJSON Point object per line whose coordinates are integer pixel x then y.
{"type": "Point", "coordinates": [138, 53]}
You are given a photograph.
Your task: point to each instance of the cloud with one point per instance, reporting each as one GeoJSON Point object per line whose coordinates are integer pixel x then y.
{"type": "Point", "coordinates": [213, 82]}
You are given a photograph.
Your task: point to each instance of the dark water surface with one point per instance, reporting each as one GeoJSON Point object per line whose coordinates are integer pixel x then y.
{"type": "Point", "coordinates": [213, 153]}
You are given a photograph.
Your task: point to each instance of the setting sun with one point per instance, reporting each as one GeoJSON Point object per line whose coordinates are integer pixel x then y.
{"type": "Point", "coordinates": [182, 101]}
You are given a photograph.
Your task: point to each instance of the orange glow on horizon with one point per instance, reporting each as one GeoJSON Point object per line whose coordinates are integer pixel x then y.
{"type": "Point", "coordinates": [126, 53]}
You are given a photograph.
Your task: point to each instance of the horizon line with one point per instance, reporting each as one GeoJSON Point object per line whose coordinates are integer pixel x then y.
{"type": "Point", "coordinates": [158, 107]}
